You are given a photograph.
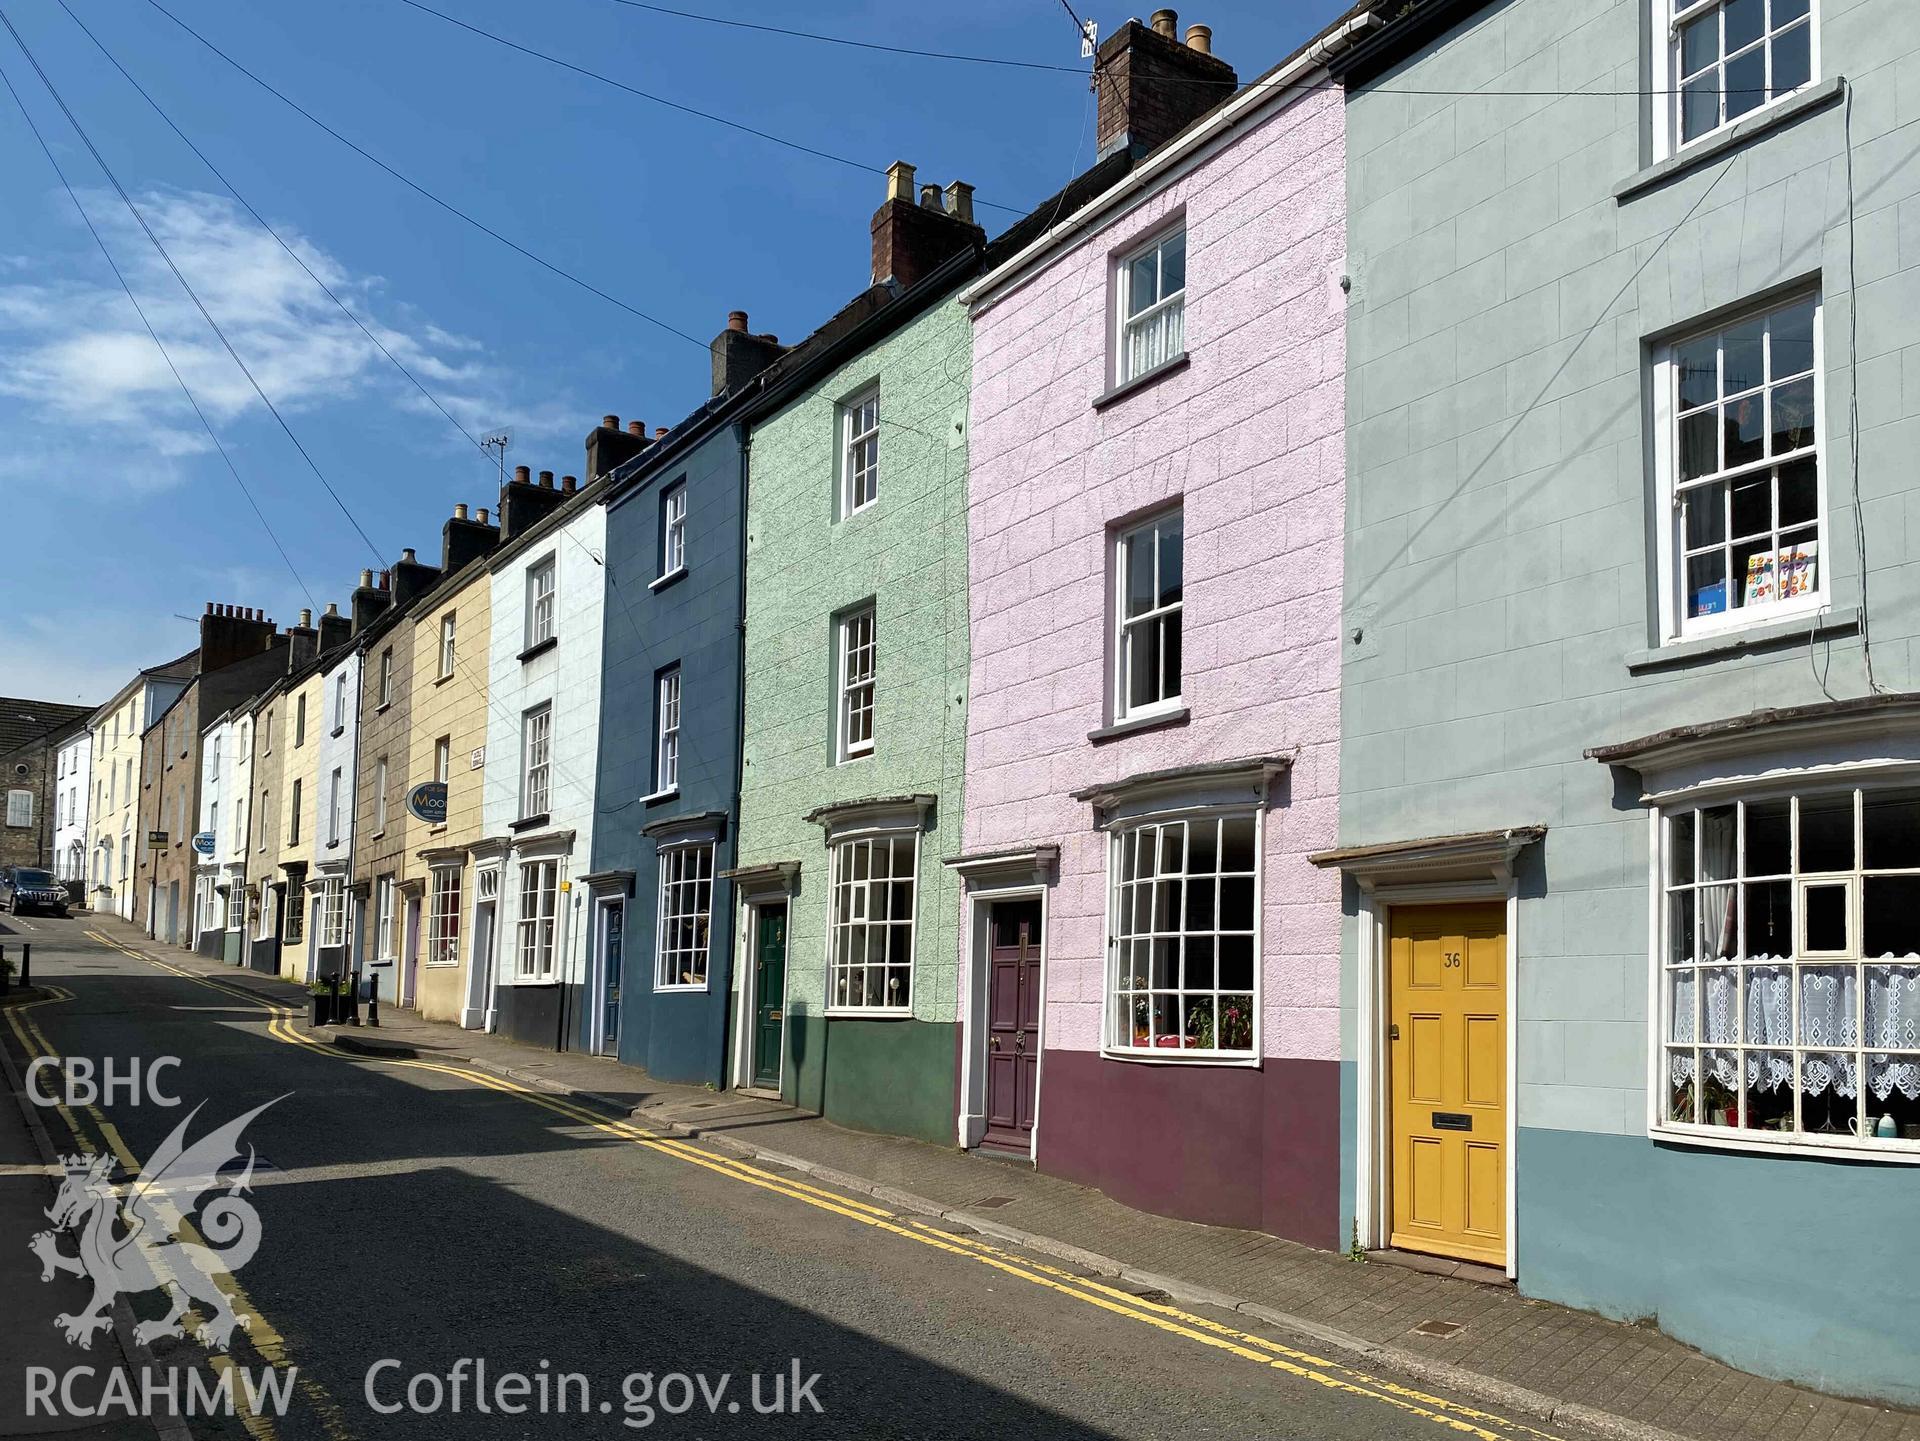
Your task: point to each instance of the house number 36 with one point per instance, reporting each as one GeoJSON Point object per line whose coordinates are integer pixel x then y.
{"type": "Point", "coordinates": [1452, 961]}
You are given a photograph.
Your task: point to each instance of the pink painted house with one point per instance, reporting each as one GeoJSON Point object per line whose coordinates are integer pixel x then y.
{"type": "Point", "coordinates": [1150, 1003]}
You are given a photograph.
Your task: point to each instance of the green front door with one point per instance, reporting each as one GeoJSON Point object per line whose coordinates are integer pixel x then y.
{"type": "Point", "coordinates": [769, 993]}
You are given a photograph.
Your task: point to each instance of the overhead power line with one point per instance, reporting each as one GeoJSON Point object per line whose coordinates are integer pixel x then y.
{"type": "Point", "coordinates": [154, 334]}
{"type": "Point", "coordinates": [852, 43]}
{"type": "Point", "coordinates": [422, 190]}
{"type": "Point", "coordinates": [766, 135]}
{"type": "Point", "coordinates": [185, 285]}
{"type": "Point", "coordinates": [246, 204]}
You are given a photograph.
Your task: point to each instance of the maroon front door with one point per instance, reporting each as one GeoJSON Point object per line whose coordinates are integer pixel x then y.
{"type": "Point", "coordinates": [1013, 1024]}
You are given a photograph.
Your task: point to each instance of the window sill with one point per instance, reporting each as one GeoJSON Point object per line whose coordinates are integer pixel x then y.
{"type": "Point", "coordinates": [1713, 147]}
{"type": "Point", "coordinates": [1835, 620]}
{"type": "Point", "coordinates": [869, 1013]}
{"type": "Point", "coordinates": [680, 986]}
{"type": "Point", "coordinates": [443, 679]}
{"type": "Point", "coordinates": [656, 797]}
{"type": "Point", "coordinates": [1141, 381]}
{"type": "Point", "coordinates": [529, 823]}
{"type": "Point", "coordinates": [1134, 725]}
{"type": "Point", "coordinates": [530, 983]}
{"type": "Point", "coordinates": [539, 647]}
{"type": "Point", "coordinates": [339, 731]}
{"type": "Point", "coordinates": [439, 965]}
{"type": "Point", "coordinates": [668, 579]}
{"type": "Point", "coordinates": [1171, 1057]}
{"type": "Point", "coordinates": [1727, 1138]}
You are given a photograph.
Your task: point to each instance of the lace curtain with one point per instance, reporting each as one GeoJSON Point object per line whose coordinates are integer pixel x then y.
{"type": "Point", "coordinates": [1829, 1012]}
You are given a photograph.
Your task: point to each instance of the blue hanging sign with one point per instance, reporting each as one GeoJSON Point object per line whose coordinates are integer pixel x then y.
{"type": "Point", "coordinates": [428, 801]}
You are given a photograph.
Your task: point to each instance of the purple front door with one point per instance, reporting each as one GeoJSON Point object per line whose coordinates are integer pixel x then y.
{"type": "Point", "coordinates": [1013, 1025]}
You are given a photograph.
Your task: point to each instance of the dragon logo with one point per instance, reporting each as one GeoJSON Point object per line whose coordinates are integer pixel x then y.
{"type": "Point", "coordinates": [125, 1250]}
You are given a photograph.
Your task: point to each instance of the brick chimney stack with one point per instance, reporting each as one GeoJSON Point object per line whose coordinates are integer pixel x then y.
{"type": "Point", "coordinates": [739, 355]}
{"type": "Point", "coordinates": [369, 601]}
{"type": "Point", "coordinates": [609, 447]}
{"type": "Point", "coordinates": [335, 629]}
{"type": "Point", "coordinates": [464, 540]}
{"type": "Point", "coordinates": [412, 578]}
{"type": "Point", "coordinates": [1150, 87]}
{"type": "Point", "coordinates": [303, 642]}
{"type": "Point", "coordinates": [523, 504]}
{"type": "Point", "coordinates": [230, 632]}
{"type": "Point", "coordinates": [911, 240]}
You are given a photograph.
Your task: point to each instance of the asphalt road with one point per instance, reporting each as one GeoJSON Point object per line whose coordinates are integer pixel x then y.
{"type": "Point", "coordinates": [428, 1219]}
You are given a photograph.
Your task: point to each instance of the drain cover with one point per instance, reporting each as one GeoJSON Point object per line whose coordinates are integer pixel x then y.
{"type": "Point", "coordinates": [993, 1203]}
{"type": "Point", "coordinates": [1438, 1328]}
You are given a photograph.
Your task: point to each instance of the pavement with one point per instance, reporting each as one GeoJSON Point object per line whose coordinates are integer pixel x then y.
{"type": "Point", "coordinates": [1462, 1344]}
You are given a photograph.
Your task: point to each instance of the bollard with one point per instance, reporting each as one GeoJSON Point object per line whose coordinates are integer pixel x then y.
{"type": "Point", "coordinates": [373, 1002]}
{"type": "Point", "coordinates": [26, 965]}
{"type": "Point", "coordinates": [3, 970]}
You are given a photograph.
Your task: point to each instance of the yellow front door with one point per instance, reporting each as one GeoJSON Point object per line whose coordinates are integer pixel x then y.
{"type": "Point", "coordinates": [1449, 1064]}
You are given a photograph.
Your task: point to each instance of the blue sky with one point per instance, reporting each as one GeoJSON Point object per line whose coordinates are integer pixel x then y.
{"type": "Point", "coordinates": [121, 517]}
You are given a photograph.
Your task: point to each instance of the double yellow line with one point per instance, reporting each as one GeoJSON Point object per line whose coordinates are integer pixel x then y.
{"type": "Point", "coordinates": [1163, 1317]}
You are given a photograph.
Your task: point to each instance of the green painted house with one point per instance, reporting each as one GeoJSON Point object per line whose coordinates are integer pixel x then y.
{"type": "Point", "coordinates": [856, 682]}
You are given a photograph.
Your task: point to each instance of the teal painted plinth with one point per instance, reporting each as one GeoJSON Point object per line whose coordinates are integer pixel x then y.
{"type": "Point", "coordinates": [895, 1077]}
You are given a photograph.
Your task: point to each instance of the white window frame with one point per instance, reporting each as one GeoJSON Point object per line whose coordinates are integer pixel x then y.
{"type": "Point", "coordinates": [293, 815]}
{"type": "Point", "coordinates": [1676, 624]}
{"type": "Point", "coordinates": [1120, 1011]}
{"type": "Point", "coordinates": [263, 927]}
{"type": "Point", "coordinates": [536, 761]}
{"type": "Point", "coordinates": [333, 911]}
{"type": "Point", "coordinates": [236, 905]}
{"type": "Point", "coordinates": [543, 600]}
{"type": "Point", "coordinates": [1126, 627]}
{"type": "Point", "coordinates": [673, 529]}
{"type": "Point", "coordinates": [1667, 18]}
{"type": "Point", "coordinates": [860, 452]}
{"type": "Point", "coordinates": [856, 667]}
{"type": "Point", "coordinates": [380, 796]}
{"type": "Point", "coordinates": [683, 941]}
{"type": "Point", "coordinates": [851, 892]}
{"type": "Point", "coordinates": [20, 808]}
{"type": "Point", "coordinates": [1167, 312]}
{"type": "Point", "coordinates": [447, 638]}
{"type": "Point", "coordinates": [295, 931]}
{"type": "Point", "coordinates": [443, 760]}
{"type": "Point", "coordinates": [443, 916]}
{"type": "Point", "coordinates": [666, 725]}
{"type": "Point", "coordinates": [1663, 1037]}
{"type": "Point", "coordinates": [300, 719]}
{"type": "Point", "coordinates": [340, 702]}
{"type": "Point", "coordinates": [333, 807]}
{"type": "Point", "coordinates": [386, 676]}
{"type": "Point", "coordinates": [537, 920]}
{"type": "Point", "coordinates": [384, 892]}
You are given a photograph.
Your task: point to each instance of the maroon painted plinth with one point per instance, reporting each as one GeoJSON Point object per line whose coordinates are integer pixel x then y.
{"type": "Point", "coordinates": [1225, 1145]}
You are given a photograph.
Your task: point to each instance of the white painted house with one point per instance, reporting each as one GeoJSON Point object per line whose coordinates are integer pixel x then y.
{"type": "Point", "coordinates": [220, 874]}
{"type": "Point", "coordinates": [543, 736]}
{"type": "Point", "coordinates": [72, 781]}
{"type": "Point", "coordinates": [332, 789]}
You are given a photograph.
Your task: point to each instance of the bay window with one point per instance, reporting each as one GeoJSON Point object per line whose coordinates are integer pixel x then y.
{"type": "Point", "coordinates": [333, 911]}
{"type": "Point", "coordinates": [1184, 936]}
{"type": "Point", "coordinates": [1738, 453]}
{"type": "Point", "coordinates": [443, 917]}
{"type": "Point", "coordinates": [686, 909]}
{"type": "Point", "coordinates": [539, 896]}
{"type": "Point", "coordinates": [870, 946]}
{"type": "Point", "coordinates": [1789, 968]}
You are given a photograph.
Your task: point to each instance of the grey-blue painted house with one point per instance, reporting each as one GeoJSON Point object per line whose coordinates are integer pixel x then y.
{"type": "Point", "coordinates": [1630, 765]}
{"type": "Point", "coordinates": [668, 785]}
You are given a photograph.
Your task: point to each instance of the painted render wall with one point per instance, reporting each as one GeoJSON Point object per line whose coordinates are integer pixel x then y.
{"type": "Point", "coordinates": [907, 552]}
{"type": "Point", "coordinates": [386, 848]}
{"type": "Point", "coordinates": [456, 709]}
{"type": "Point", "coordinates": [568, 676]}
{"type": "Point", "coordinates": [1248, 439]}
{"type": "Point", "coordinates": [1502, 514]}
{"type": "Point", "coordinates": [692, 622]}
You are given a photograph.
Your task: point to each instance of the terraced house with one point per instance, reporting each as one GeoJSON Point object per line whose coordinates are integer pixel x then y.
{"type": "Point", "coordinates": [539, 648]}
{"type": "Point", "coordinates": [114, 758]}
{"type": "Point", "coordinates": [1149, 1001]}
{"type": "Point", "coordinates": [856, 656]}
{"type": "Point", "coordinates": [1628, 812]}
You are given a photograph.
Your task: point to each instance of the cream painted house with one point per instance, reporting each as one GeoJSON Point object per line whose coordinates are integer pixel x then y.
{"type": "Point", "coordinates": [114, 781]}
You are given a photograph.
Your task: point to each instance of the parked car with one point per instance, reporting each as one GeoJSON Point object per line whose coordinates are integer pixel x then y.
{"type": "Point", "coordinates": [28, 888]}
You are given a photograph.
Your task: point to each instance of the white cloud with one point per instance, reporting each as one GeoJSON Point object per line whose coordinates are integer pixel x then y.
{"type": "Point", "coordinates": [79, 352]}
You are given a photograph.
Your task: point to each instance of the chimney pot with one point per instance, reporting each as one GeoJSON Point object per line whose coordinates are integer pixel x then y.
{"type": "Point", "coordinates": [333, 607]}
{"type": "Point", "coordinates": [546, 480]}
{"type": "Point", "coordinates": [569, 484]}
{"type": "Point", "coordinates": [660, 432]}
{"type": "Point", "coordinates": [960, 201]}
{"type": "Point", "coordinates": [483, 515]}
{"type": "Point", "coordinates": [460, 511]}
{"type": "Point", "coordinates": [611, 422]}
{"type": "Point", "coordinates": [209, 607]}
{"type": "Point", "coordinates": [930, 197]}
{"type": "Point", "coordinates": [737, 320]}
{"type": "Point", "coordinates": [386, 576]}
{"type": "Point", "coordinates": [637, 427]}
{"type": "Point", "coordinates": [306, 617]}
{"type": "Point", "coordinates": [407, 556]}
{"type": "Point", "coordinates": [1165, 22]}
{"type": "Point", "coordinates": [366, 580]}
{"type": "Point", "coordinates": [521, 474]}
{"type": "Point", "coordinates": [899, 181]}
{"type": "Point", "coordinates": [1200, 37]}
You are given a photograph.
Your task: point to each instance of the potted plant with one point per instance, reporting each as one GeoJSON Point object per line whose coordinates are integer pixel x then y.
{"type": "Point", "coordinates": [320, 991]}
{"type": "Point", "coordinates": [1200, 1025]}
{"type": "Point", "coordinates": [1236, 1023]}
{"type": "Point", "coordinates": [1142, 1016]}
{"type": "Point", "coordinates": [1723, 1106]}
